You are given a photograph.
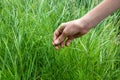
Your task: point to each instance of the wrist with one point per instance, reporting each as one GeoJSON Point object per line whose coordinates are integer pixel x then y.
{"type": "Point", "coordinates": [85, 23]}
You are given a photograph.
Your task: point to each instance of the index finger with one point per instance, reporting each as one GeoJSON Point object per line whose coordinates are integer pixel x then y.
{"type": "Point", "coordinates": [58, 31]}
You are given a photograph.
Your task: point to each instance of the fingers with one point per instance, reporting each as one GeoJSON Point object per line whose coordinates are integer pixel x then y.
{"type": "Point", "coordinates": [64, 43]}
{"type": "Point", "coordinates": [60, 39]}
{"type": "Point", "coordinates": [68, 41]}
{"type": "Point", "coordinates": [58, 36]}
{"type": "Point", "coordinates": [58, 31]}
{"type": "Point", "coordinates": [57, 47]}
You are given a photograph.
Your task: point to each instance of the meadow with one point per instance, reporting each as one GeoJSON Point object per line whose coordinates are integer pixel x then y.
{"type": "Point", "coordinates": [27, 53]}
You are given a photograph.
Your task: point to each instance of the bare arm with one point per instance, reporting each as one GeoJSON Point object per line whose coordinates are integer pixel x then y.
{"type": "Point", "coordinates": [76, 28]}
{"type": "Point", "coordinates": [101, 11]}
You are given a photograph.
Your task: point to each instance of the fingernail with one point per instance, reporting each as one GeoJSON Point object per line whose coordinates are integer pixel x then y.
{"type": "Point", "coordinates": [67, 44]}
{"type": "Point", "coordinates": [56, 42]}
{"type": "Point", "coordinates": [56, 47]}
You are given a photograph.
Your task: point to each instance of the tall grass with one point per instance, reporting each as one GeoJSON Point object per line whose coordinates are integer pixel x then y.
{"type": "Point", "coordinates": [26, 52]}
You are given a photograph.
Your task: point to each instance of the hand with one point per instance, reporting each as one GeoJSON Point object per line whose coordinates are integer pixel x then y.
{"type": "Point", "coordinates": [68, 31]}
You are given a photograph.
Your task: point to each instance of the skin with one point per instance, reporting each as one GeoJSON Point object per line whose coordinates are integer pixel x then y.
{"type": "Point", "coordinates": [68, 31]}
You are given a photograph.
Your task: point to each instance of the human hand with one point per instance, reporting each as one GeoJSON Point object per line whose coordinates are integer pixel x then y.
{"type": "Point", "coordinates": [68, 31]}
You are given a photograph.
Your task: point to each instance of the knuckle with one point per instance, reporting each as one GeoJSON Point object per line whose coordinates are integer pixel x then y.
{"type": "Point", "coordinates": [64, 33]}
{"type": "Point", "coordinates": [59, 39]}
{"type": "Point", "coordinates": [62, 24]}
{"type": "Point", "coordinates": [55, 33]}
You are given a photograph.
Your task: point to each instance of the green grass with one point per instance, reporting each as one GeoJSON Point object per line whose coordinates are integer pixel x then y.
{"type": "Point", "coordinates": [26, 52]}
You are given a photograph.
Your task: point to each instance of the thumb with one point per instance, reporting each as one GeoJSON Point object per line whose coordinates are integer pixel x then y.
{"type": "Point", "coordinates": [60, 39]}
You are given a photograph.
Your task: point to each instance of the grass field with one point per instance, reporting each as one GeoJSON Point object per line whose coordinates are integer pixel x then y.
{"type": "Point", "coordinates": [26, 51]}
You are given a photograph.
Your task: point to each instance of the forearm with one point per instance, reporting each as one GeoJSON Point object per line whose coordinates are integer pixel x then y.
{"type": "Point", "coordinates": [100, 12]}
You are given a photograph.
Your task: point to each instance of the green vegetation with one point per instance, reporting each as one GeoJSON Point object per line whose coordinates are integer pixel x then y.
{"type": "Point", "coordinates": [26, 52]}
